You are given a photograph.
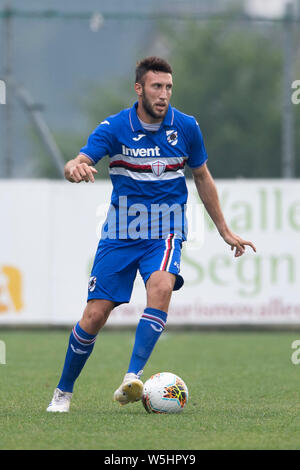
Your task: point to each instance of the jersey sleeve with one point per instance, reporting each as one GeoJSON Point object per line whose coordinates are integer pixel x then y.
{"type": "Point", "coordinates": [197, 155]}
{"type": "Point", "coordinates": [99, 143]}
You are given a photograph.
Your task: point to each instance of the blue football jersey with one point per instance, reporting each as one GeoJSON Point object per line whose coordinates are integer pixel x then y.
{"type": "Point", "coordinates": [146, 168]}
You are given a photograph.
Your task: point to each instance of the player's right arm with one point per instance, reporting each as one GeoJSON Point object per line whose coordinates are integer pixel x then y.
{"type": "Point", "coordinates": [80, 169]}
{"type": "Point", "coordinates": [99, 144]}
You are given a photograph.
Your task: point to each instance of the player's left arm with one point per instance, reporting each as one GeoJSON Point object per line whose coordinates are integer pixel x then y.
{"type": "Point", "coordinates": [209, 196]}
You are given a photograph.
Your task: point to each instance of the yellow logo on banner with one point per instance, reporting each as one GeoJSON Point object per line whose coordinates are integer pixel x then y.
{"type": "Point", "coordinates": [10, 289]}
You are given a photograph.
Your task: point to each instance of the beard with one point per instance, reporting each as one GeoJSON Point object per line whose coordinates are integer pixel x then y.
{"type": "Point", "coordinates": [150, 109]}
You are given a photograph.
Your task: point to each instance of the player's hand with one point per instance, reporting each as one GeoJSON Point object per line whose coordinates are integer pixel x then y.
{"type": "Point", "coordinates": [237, 243]}
{"type": "Point", "coordinates": [82, 172]}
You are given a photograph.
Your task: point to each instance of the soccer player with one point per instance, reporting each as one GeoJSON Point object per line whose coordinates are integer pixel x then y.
{"type": "Point", "coordinates": [148, 146]}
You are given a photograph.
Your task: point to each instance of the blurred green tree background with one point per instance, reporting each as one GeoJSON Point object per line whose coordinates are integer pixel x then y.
{"type": "Point", "coordinates": [229, 76]}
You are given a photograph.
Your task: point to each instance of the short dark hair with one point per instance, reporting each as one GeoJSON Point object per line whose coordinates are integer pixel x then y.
{"type": "Point", "coordinates": [153, 63]}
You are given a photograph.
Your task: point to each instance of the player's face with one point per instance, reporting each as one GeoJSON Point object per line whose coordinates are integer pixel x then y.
{"type": "Point", "coordinates": [155, 94]}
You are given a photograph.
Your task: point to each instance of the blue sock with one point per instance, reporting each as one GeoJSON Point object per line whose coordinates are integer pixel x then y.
{"type": "Point", "coordinates": [151, 325]}
{"type": "Point", "coordinates": [80, 347]}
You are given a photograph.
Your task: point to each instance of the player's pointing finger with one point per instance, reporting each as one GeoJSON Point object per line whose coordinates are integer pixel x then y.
{"type": "Point", "coordinates": [249, 244]}
{"type": "Point", "coordinates": [90, 175]}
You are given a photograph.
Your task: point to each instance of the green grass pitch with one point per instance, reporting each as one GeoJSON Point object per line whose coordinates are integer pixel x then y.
{"type": "Point", "coordinates": [244, 393]}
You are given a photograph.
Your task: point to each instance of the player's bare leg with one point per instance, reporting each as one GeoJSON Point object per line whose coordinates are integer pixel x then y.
{"type": "Point", "coordinates": [159, 290]}
{"type": "Point", "coordinates": [95, 315]}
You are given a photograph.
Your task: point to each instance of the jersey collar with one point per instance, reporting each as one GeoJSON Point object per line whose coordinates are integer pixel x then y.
{"type": "Point", "coordinates": [135, 122]}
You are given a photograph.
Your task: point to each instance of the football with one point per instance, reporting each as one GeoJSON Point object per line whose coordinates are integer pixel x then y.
{"type": "Point", "coordinates": [165, 393]}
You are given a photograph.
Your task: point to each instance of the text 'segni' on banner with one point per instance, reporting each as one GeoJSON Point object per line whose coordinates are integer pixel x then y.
{"type": "Point", "coordinates": [46, 284]}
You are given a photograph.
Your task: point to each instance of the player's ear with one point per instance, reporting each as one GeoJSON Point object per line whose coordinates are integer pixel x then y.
{"type": "Point", "coordinates": [138, 89]}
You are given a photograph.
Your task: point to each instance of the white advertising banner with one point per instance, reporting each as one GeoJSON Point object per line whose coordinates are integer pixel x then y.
{"type": "Point", "coordinates": [50, 231]}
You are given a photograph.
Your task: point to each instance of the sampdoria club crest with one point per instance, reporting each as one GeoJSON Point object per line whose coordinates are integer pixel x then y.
{"type": "Point", "coordinates": [172, 137]}
{"type": "Point", "coordinates": [92, 283]}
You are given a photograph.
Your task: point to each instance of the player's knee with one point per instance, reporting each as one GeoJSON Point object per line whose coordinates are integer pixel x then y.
{"type": "Point", "coordinates": [161, 288]}
{"type": "Point", "coordinates": [96, 314]}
